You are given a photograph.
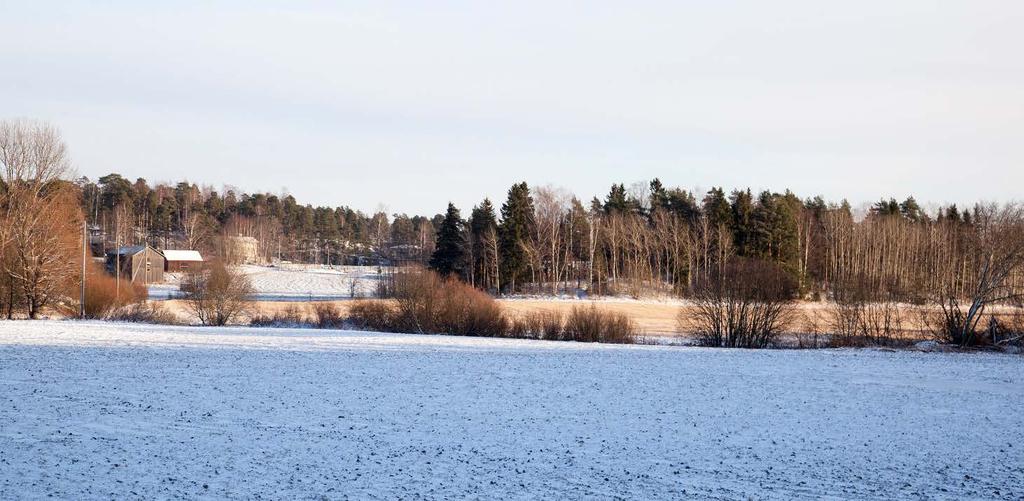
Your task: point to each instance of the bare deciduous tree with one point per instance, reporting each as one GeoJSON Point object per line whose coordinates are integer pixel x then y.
{"type": "Point", "coordinates": [994, 253]}
{"type": "Point", "coordinates": [217, 294]}
{"type": "Point", "coordinates": [40, 214]}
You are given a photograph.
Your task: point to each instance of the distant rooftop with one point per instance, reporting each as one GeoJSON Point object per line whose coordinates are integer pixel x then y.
{"type": "Point", "coordinates": [182, 255]}
{"type": "Point", "coordinates": [129, 250]}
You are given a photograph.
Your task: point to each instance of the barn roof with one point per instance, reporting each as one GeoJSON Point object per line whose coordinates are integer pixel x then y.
{"type": "Point", "coordinates": [182, 255]}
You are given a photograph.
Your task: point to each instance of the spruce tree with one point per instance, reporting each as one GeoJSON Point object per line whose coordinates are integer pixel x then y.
{"type": "Point", "coordinates": [450, 251]}
{"type": "Point", "coordinates": [483, 229]}
{"type": "Point", "coordinates": [517, 224]}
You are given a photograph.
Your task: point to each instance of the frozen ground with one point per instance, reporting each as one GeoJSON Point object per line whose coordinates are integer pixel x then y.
{"type": "Point", "coordinates": [304, 282]}
{"type": "Point", "coordinates": [294, 282]}
{"type": "Point", "coordinates": [92, 410]}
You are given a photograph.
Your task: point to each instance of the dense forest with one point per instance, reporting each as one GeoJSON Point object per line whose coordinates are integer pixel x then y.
{"type": "Point", "coordinates": [186, 215]}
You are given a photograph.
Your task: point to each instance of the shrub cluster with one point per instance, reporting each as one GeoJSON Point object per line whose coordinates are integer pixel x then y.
{"type": "Point", "coordinates": [327, 316]}
{"type": "Point", "coordinates": [289, 316]}
{"type": "Point", "coordinates": [425, 303]}
{"type": "Point", "coordinates": [1008, 329]}
{"type": "Point", "coordinates": [862, 323]}
{"type": "Point", "coordinates": [745, 306]}
{"type": "Point", "coordinates": [145, 313]}
{"type": "Point", "coordinates": [538, 324]}
{"type": "Point", "coordinates": [103, 294]}
{"type": "Point", "coordinates": [591, 325]}
{"type": "Point", "coordinates": [319, 315]}
{"type": "Point", "coordinates": [372, 314]}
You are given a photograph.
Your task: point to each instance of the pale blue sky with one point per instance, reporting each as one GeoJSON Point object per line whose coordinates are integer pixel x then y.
{"type": "Point", "coordinates": [413, 104]}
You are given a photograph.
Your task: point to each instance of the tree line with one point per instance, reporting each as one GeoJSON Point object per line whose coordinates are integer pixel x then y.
{"type": "Point", "coordinates": [655, 239]}
{"type": "Point", "coordinates": [190, 216]}
{"type": "Point", "coordinates": [647, 238]}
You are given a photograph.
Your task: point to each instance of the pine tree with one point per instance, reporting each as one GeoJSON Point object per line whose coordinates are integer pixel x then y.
{"type": "Point", "coordinates": [450, 252]}
{"type": "Point", "coordinates": [517, 225]}
{"type": "Point", "coordinates": [742, 213]}
{"type": "Point", "coordinates": [659, 196]}
{"type": "Point", "coordinates": [717, 209]}
{"type": "Point", "coordinates": [616, 200]}
{"type": "Point", "coordinates": [682, 204]}
{"type": "Point", "coordinates": [762, 227]}
{"type": "Point", "coordinates": [886, 208]}
{"type": "Point", "coordinates": [912, 211]}
{"type": "Point", "coordinates": [774, 229]}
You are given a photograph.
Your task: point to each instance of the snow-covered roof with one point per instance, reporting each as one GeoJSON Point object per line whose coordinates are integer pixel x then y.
{"type": "Point", "coordinates": [182, 255]}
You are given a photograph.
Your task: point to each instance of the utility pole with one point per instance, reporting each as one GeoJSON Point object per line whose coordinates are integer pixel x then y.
{"type": "Point", "coordinates": [117, 268]}
{"type": "Point", "coordinates": [85, 251]}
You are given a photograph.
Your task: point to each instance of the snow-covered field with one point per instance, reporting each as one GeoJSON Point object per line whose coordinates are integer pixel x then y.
{"type": "Point", "coordinates": [93, 410]}
{"type": "Point", "coordinates": [295, 282]}
{"type": "Point", "coordinates": [303, 282]}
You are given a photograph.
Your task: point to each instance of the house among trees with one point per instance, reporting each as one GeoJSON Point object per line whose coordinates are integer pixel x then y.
{"type": "Point", "coordinates": [178, 261]}
{"type": "Point", "coordinates": [139, 264]}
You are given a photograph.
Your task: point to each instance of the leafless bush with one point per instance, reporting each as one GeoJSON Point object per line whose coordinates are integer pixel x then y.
{"type": "Point", "coordinates": [1008, 329]}
{"type": "Point", "coordinates": [289, 316]}
{"type": "Point", "coordinates": [883, 323]}
{"type": "Point", "coordinates": [328, 316]}
{"type": "Point", "coordinates": [103, 294]}
{"type": "Point", "coordinates": [319, 315]}
{"type": "Point", "coordinates": [426, 303]}
{"type": "Point", "coordinates": [845, 323]}
{"type": "Point", "coordinates": [592, 325]}
{"type": "Point", "coordinates": [551, 324]}
{"type": "Point", "coordinates": [373, 314]}
{"type": "Point", "coordinates": [539, 324]}
{"type": "Point", "coordinates": [145, 313]}
{"type": "Point", "coordinates": [217, 294]}
{"type": "Point", "coordinates": [521, 327]}
{"type": "Point", "coordinates": [746, 306]}
{"type": "Point", "coordinates": [866, 324]}
{"type": "Point", "coordinates": [1000, 329]}
{"type": "Point", "coordinates": [810, 334]}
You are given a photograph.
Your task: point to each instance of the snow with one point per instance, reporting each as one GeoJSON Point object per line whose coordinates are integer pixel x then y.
{"type": "Point", "coordinates": [100, 410]}
{"type": "Point", "coordinates": [294, 282]}
{"type": "Point", "coordinates": [182, 255]}
{"type": "Point", "coordinates": [170, 289]}
{"type": "Point", "coordinates": [305, 282]}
